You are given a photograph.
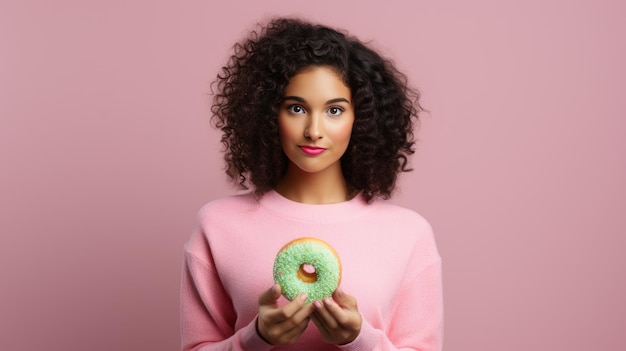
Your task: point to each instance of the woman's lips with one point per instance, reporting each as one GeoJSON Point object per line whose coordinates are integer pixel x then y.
{"type": "Point", "coordinates": [311, 150]}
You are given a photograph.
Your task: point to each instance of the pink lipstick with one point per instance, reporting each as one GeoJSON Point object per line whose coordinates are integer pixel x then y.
{"type": "Point", "coordinates": [312, 150]}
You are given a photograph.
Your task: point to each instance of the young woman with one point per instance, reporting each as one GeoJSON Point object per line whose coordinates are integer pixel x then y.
{"type": "Point", "coordinates": [318, 125]}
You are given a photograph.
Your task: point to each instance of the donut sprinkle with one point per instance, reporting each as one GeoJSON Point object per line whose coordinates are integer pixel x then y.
{"type": "Point", "coordinates": [294, 279]}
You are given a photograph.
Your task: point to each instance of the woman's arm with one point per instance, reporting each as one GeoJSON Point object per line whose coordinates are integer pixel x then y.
{"type": "Point", "coordinates": [416, 320]}
{"type": "Point", "coordinates": [207, 315]}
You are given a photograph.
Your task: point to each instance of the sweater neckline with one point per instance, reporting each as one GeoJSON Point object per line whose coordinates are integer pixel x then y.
{"type": "Point", "coordinates": [320, 213]}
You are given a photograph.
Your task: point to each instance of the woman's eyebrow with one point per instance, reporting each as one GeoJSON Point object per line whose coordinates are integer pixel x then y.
{"type": "Point", "coordinates": [331, 101]}
{"type": "Point", "coordinates": [334, 101]}
{"type": "Point", "coordinates": [296, 98]}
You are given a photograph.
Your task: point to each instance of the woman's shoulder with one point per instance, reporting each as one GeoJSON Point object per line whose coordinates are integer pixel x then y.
{"type": "Point", "coordinates": [229, 205]}
{"type": "Point", "coordinates": [398, 213]}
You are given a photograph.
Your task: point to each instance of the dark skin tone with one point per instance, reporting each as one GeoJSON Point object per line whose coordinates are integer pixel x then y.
{"type": "Point", "coordinates": [282, 325]}
{"type": "Point", "coordinates": [337, 318]}
{"type": "Point", "coordinates": [316, 111]}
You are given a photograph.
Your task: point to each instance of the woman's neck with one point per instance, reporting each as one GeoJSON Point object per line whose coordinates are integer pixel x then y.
{"type": "Point", "coordinates": [326, 187]}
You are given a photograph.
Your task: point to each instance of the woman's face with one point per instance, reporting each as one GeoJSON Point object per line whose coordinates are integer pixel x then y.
{"type": "Point", "coordinates": [315, 119]}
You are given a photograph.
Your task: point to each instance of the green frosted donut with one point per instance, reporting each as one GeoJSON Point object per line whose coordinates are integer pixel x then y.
{"type": "Point", "coordinates": [290, 269]}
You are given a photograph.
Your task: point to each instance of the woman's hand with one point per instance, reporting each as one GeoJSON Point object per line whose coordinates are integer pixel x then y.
{"type": "Point", "coordinates": [282, 325]}
{"type": "Point", "coordinates": [337, 318]}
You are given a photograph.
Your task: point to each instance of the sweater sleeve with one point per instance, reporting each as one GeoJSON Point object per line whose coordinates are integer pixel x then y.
{"type": "Point", "coordinates": [207, 315]}
{"type": "Point", "coordinates": [416, 320]}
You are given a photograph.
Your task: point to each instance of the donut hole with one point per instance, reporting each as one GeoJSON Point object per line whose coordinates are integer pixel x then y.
{"type": "Point", "coordinates": [307, 273]}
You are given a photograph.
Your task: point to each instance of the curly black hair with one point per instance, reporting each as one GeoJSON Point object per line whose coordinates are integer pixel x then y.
{"type": "Point", "coordinates": [250, 89]}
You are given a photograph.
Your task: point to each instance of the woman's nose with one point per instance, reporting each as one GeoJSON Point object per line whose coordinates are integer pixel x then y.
{"type": "Point", "coordinates": [313, 128]}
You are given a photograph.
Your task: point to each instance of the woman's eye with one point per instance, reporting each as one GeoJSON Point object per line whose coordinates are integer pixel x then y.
{"type": "Point", "coordinates": [335, 111]}
{"type": "Point", "coordinates": [295, 109]}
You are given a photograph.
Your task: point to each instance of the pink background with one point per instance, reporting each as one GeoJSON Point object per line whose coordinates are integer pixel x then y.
{"type": "Point", "coordinates": [106, 155]}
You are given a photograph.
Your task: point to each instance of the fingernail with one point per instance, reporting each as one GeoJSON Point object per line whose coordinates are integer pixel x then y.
{"type": "Point", "coordinates": [317, 303]}
{"type": "Point", "coordinates": [339, 291]}
{"type": "Point", "coordinates": [328, 301]}
{"type": "Point", "coordinates": [274, 288]}
{"type": "Point", "coordinates": [303, 297]}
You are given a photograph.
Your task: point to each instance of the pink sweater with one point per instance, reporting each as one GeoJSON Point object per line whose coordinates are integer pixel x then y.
{"type": "Point", "coordinates": [388, 254]}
